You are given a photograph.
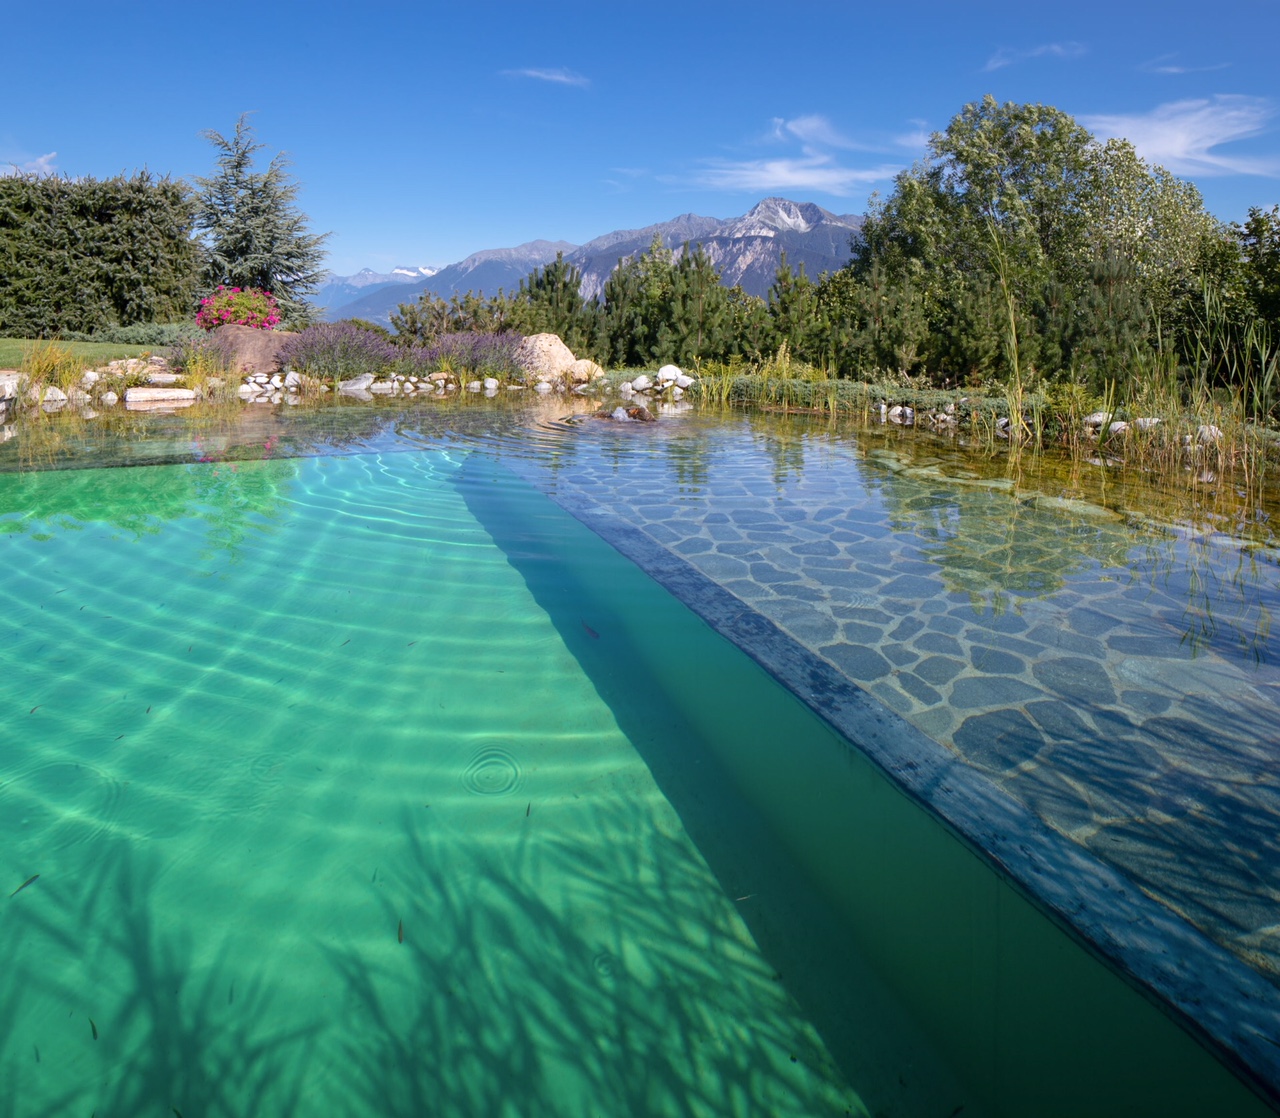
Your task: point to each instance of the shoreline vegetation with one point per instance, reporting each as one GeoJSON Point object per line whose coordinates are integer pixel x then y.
{"type": "Point", "coordinates": [1023, 288]}
{"type": "Point", "coordinates": [1171, 475]}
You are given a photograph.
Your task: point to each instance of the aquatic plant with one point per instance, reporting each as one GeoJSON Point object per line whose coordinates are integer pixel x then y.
{"type": "Point", "coordinates": [203, 361]}
{"type": "Point", "coordinates": [50, 365]}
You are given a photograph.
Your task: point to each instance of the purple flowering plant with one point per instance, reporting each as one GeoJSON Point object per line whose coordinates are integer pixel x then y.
{"type": "Point", "coordinates": [475, 354]}
{"type": "Point", "coordinates": [238, 306]}
{"type": "Point", "coordinates": [338, 350]}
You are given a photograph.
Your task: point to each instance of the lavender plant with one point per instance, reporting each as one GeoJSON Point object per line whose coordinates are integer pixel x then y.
{"type": "Point", "coordinates": [338, 351]}
{"type": "Point", "coordinates": [475, 355]}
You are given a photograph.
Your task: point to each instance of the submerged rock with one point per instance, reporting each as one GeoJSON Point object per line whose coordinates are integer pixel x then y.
{"type": "Point", "coordinates": [638, 413]}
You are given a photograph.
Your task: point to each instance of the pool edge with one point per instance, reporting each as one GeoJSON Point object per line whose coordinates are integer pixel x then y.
{"type": "Point", "coordinates": [1218, 999]}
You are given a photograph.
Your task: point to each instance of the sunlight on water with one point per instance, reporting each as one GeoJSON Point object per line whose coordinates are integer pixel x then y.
{"type": "Point", "coordinates": [369, 781]}
{"type": "Point", "coordinates": [323, 808]}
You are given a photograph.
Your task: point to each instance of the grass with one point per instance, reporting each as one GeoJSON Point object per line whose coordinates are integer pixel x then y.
{"type": "Point", "coordinates": [14, 350]}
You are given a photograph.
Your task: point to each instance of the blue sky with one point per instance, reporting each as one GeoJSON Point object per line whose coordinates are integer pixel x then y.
{"type": "Point", "coordinates": [421, 132]}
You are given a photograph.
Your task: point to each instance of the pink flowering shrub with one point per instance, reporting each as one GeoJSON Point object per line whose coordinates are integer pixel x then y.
{"type": "Point", "coordinates": [248, 306]}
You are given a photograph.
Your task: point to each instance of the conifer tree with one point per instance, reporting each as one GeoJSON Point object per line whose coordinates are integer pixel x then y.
{"type": "Point", "coordinates": [550, 301]}
{"type": "Point", "coordinates": [254, 233]}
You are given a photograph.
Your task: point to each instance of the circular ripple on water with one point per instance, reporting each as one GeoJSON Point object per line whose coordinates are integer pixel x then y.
{"type": "Point", "coordinates": [59, 804]}
{"type": "Point", "coordinates": [492, 772]}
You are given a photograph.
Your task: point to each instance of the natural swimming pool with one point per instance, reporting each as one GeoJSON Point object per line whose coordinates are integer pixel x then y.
{"type": "Point", "coordinates": [376, 775]}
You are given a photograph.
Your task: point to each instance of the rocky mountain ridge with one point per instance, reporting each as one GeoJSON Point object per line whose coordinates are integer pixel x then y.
{"type": "Point", "coordinates": [745, 249]}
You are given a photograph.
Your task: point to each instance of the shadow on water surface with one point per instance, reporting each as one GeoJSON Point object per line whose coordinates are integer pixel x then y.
{"type": "Point", "coordinates": [118, 1019]}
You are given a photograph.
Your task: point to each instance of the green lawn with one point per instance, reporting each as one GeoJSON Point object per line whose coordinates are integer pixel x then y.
{"type": "Point", "coordinates": [13, 349]}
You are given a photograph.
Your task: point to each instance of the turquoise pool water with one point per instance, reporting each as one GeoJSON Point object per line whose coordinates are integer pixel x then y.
{"type": "Point", "coordinates": [372, 781]}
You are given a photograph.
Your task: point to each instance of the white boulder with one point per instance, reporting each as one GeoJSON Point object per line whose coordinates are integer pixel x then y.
{"type": "Point", "coordinates": [544, 357]}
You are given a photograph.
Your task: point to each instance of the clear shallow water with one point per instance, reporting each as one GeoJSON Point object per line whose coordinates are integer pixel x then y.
{"type": "Point", "coordinates": [245, 761]}
{"type": "Point", "coordinates": [395, 690]}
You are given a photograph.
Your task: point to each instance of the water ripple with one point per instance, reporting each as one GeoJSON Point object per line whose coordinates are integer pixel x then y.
{"type": "Point", "coordinates": [492, 772]}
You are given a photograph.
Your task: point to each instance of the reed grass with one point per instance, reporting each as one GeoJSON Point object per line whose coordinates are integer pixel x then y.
{"type": "Point", "coordinates": [50, 364]}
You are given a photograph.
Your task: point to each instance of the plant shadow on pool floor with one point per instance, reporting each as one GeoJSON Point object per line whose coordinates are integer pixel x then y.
{"type": "Point", "coordinates": [142, 1034]}
{"type": "Point", "coordinates": [541, 975]}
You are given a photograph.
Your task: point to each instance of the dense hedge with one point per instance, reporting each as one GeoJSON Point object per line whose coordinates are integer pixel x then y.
{"type": "Point", "coordinates": [83, 254]}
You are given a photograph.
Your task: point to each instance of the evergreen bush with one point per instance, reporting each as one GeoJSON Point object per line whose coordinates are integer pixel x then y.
{"type": "Point", "coordinates": [83, 255]}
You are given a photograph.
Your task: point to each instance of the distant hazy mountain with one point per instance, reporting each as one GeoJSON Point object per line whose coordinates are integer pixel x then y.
{"type": "Point", "coordinates": [340, 290]}
{"type": "Point", "coordinates": [481, 272]}
{"type": "Point", "coordinates": [746, 250]}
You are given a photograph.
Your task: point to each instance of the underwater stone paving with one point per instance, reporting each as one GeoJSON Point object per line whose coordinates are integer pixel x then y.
{"type": "Point", "coordinates": [1117, 680]}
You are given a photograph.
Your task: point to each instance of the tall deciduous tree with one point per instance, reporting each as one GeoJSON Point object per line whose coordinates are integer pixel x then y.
{"type": "Point", "coordinates": [1087, 246]}
{"type": "Point", "coordinates": [1260, 242]}
{"type": "Point", "coordinates": [254, 232]}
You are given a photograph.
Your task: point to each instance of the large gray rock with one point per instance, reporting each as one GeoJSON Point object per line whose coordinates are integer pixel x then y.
{"type": "Point", "coordinates": [544, 357]}
{"type": "Point", "coordinates": [249, 350]}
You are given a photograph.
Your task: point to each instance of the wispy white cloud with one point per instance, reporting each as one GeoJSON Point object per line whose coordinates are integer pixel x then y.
{"type": "Point", "coordinates": [816, 129]}
{"type": "Point", "coordinates": [1185, 136]}
{"type": "Point", "coordinates": [626, 177]}
{"type": "Point", "coordinates": [557, 77]}
{"type": "Point", "coordinates": [1007, 56]}
{"type": "Point", "coordinates": [1169, 64]}
{"type": "Point", "coordinates": [812, 171]}
{"type": "Point", "coordinates": [20, 165]}
{"type": "Point", "coordinates": [819, 165]}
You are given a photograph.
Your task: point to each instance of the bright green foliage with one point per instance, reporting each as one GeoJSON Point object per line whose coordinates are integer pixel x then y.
{"type": "Point", "coordinates": [1028, 250]}
{"type": "Point", "coordinates": [1260, 242]}
{"type": "Point", "coordinates": [1148, 217]}
{"type": "Point", "coordinates": [636, 296]}
{"type": "Point", "coordinates": [423, 322]}
{"type": "Point", "coordinates": [698, 323]}
{"type": "Point", "coordinates": [78, 255]}
{"type": "Point", "coordinates": [658, 309]}
{"type": "Point", "coordinates": [794, 313]}
{"type": "Point", "coordinates": [254, 233]}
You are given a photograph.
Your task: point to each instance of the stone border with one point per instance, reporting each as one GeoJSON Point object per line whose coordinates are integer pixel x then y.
{"type": "Point", "coordinates": [1229, 1007]}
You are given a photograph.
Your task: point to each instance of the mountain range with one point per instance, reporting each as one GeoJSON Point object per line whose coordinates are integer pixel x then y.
{"type": "Point", "coordinates": [339, 290]}
{"type": "Point", "coordinates": [747, 251]}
